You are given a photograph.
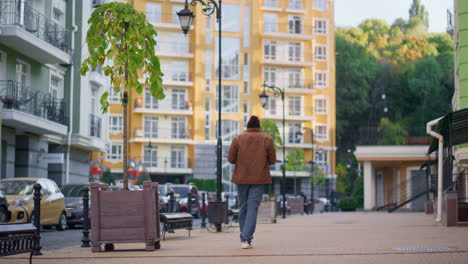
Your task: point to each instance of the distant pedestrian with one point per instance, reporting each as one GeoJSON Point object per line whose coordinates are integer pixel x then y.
{"type": "Point", "coordinates": [252, 153]}
{"type": "Point", "coordinates": [306, 206]}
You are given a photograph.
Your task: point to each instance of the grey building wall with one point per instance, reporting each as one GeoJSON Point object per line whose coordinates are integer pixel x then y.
{"type": "Point", "coordinates": [205, 161]}
{"type": "Point", "coordinates": [8, 154]}
{"type": "Point", "coordinates": [28, 155]}
{"type": "Point", "coordinates": [79, 166]}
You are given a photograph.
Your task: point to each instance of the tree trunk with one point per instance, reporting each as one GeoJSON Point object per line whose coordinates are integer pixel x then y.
{"type": "Point", "coordinates": [125, 138]}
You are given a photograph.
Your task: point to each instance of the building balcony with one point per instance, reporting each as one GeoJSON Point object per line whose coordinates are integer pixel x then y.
{"type": "Point", "coordinates": [163, 135]}
{"type": "Point", "coordinates": [165, 108]}
{"type": "Point", "coordinates": [29, 32]}
{"type": "Point", "coordinates": [276, 171]}
{"type": "Point", "coordinates": [278, 115]}
{"type": "Point", "coordinates": [178, 78]}
{"type": "Point", "coordinates": [164, 164]}
{"type": "Point", "coordinates": [292, 85]}
{"type": "Point", "coordinates": [288, 62]}
{"type": "Point", "coordinates": [166, 22]}
{"type": "Point", "coordinates": [292, 30]}
{"type": "Point", "coordinates": [29, 110]}
{"type": "Point", "coordinates": [174, 49]}
{"type": "Point", "coordinates": [95, 126]}
{"type": "Point", "coordinates": [96, 76]}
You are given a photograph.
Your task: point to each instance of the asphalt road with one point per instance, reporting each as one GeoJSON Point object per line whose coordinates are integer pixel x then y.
{"type": "Point", "coordinates": [52, 239]}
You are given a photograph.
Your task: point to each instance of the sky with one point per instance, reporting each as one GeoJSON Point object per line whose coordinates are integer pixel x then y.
{"type": "Point", "coordinates": [353, 12]}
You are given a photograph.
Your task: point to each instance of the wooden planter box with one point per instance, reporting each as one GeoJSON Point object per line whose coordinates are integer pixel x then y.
{"type": "Point", "coordinates": [267, 212]}
{"type": "Point", "coordinates": [124, 217]}
{"type": "Point", "coordinates": [296, 205]}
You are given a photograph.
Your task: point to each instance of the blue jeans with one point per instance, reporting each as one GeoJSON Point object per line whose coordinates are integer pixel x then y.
{"type": "Point", "coordinates": [250, 197]}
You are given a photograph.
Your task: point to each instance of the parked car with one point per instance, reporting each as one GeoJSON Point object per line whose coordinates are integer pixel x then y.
{"type": "Point", "coordinates": [231, 198]}
{"type": "Point", "coordinates": [74, 203]}
{"type": "Point", "coordinates": [164, 191]}
{"type": "Point", "coordinates": [4, 213]}
{"type": "Point", "coordinates": [19, 194]}
{"type": "Point", "coordinates": [183, 190]}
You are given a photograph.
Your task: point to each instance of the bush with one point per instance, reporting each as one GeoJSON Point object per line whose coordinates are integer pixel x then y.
{"type": "Point", "coordinates": [358, 192]}
{"type": "Point", "coordinates": [348, 204]}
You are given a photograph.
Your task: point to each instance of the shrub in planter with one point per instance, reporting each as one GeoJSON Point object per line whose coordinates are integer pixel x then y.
{"type": "Point", "coordinates": [347, 204]}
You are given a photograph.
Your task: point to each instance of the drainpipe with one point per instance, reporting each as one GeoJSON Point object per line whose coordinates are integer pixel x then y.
{"type": "Point", "coordinates": [72, 85]}
{"type": "Point", "coordinates": [439, 165]}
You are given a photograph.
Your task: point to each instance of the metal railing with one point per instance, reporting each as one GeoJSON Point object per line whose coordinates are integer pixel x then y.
{"type": "Point", "coordinates": [20, 14]}
{"type": "Point", "coordinates": [177, 76]}
{"type": "Point", "coordinates": [95, 126]}
{"type": "Point", "coordinates": [173, 47]}
{"type": "Point", "coordinates": [290, 83]}
{"type": "Point", "coordinates": [164, 133]}
{"type": "Point", "coordinates": [292, 27]}
{"type": "Point", "coordinates": [14, 95]}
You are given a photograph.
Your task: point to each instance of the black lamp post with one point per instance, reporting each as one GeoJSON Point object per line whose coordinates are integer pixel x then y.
{"type": "Point", "coordinates": [311, 131]}
{"type": "Point", "coordinates": [264, 101]}
{"type": "Point", "coordinates": [186, 18]}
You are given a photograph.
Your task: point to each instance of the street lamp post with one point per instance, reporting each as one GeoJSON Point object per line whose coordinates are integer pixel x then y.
{"type": "Point", "coordinates": [311, 131]}
{"type": "Point", "coordinates": [264, 101]}
{"type": "Point", "coordinates": [186, 18]}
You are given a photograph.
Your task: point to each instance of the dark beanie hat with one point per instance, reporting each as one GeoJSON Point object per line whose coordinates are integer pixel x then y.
{"type": "Point", "coordinates": [254, 122]}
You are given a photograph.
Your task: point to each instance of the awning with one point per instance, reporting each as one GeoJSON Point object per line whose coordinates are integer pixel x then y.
{"type": "Point", "coordinates": [453, 127]}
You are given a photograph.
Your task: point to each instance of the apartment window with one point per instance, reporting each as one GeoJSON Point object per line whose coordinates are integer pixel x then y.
{"type": "Point", "coordinates": [208, 30]}
{"type": "Point", "coordinates": [246, 87]}
{"type": "Point", "coordinates": [115, 124]}
{"type": "Point", "coordinates": [295, 4]}
{"type": "Point", "coordinates": [271, 106]}
{"type": "Point", "coordinates": [207, 118]}
{"type": "Point", "coordinates": [269, 50]}
{"type": "Point", "coordinates": [295, 78]}
{"type": "Point", "coordinates": [114, 97]}
{"type": "Point", "coordinates": [321, 157]}
{"type": "Point", "coordinates": [175, 17]}
{"type": "Point", "coordinates": [58, 15]}
{"type": "Point", "coordinates": [271, 3]}
{"type": "Point", "coordinates": [269, 76]}
{"type": "Point", "coordinates": [231, 15]}
{"type": "Point", "coordinates": [208, 69]}
{"type": "Point", "coordinates": [246, 26]}
{"type": "Point", "coordinates": [178, 71]}
{"type": "Point", "coordinates": [320, 26]}
{"type": "Point", "coordinates": [320, 4]}
{"type": "Point", "coordinates": [320, 79]}
{"type": "Point", "coordinates": [150, 156]}
{"type": "Point", "coordinates": [114, 152]}
{"type": "Point", "coordinates": [246, 113]}
{"type": "Point", "coordinates": [231, 58]}
{"type": "Point", "coordinates": [153, 12]}
{"type": "Point", "coordinates": [294, 105]}
{"type": "Point", "coordinates": [320, 106]}
{"type": "Point", "coordinates": [271, 22]}
{"type": "Point", "coordinates": [320, 53]}
{"type": "Point", "coordinates": [294, 51]}
{"type": "Point", "coordinates": [150, 101]}
{"type": "Point", "coordinates": [177, 157]}
{"type": "Point", "coordinates": [230, 97]}
{"type": "Point", "coordinates": [320, 132]}
{"type": "Point", "coordinates": [23, 73]}
{"type": "Point", "coordinates": [294, 133]}
{"type": "Point", "coordinates": [151, 126]}
{"type": "Point", "coordinates": [56, 86]}
{"type": "Point", "coordinates": [178, 128]}
{"type": "Point", "coordinates": [295, 24]}
{"type": "Point", "coordinates": [230, 129]}
{"type": "Point", "coordinates": [178, 99]}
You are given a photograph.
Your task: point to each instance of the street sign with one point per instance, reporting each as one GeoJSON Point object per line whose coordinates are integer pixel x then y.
{"type": "Point", "coordinates": [53, 158]}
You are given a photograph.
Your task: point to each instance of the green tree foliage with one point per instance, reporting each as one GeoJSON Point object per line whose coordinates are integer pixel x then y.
{"type": "Point", "coordinates": [392, 133]}
{"type": "Point", "coordinates": [143, 177]}
{"type": "Point", "coordinates": [418, 10]}
{"type": "Point", "coordinates": [341, 178]}
{"type": "Point", "coordinates": [107, 177]}
{"type": "Point", "coordinates": [122, 40]}
{"type": "Point", "coordinates": [295, 162]}
{"type": "Point", "coordinates": [270, 128]}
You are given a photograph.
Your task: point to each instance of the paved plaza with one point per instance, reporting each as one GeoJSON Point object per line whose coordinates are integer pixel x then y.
{"type": "Point", "coordinates": [322, 238]}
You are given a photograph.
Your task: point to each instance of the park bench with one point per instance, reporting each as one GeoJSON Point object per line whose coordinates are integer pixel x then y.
{"type": "Point", "coordinates": [17, 238]}
{"type": "Point", "coordinates": [172, 221]}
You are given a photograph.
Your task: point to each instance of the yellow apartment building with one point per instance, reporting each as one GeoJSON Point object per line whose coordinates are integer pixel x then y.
{"type": "Point", "coordinates": [286, 43]}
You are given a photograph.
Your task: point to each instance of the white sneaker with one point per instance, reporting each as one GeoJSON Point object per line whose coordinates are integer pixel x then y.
{"type": "Point", "coordinates": [245, 245]}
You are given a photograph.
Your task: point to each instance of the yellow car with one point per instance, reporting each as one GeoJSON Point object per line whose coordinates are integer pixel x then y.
{"type": "Point", "coordinates": [19, 193]}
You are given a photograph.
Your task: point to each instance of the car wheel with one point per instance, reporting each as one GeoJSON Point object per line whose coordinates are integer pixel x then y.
{"type": "Point", "coordinates": [62, 223]}
{"type": "Point", "coordinates": [3, 215]}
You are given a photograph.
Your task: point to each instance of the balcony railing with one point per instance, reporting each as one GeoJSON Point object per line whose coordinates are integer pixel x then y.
{"type": "Point", "coordinates": [98, 69]}
{"type": "Point", "coordinates": [177, 76]}
{"type": "Point", "coordinates": [290, 83]}
{"type": "Point", "coordinates": [179, 48]}
{"type": "Point", "coordinates": [20, 14]}
{"type": "Point", "coordinates": [164, 133]}
{"type": "Point", "coordinates": [292, 27]}
{"type": "Point", "coordinates": [14, 95]}
{"type": "Point", "coordinates": [95, 124]}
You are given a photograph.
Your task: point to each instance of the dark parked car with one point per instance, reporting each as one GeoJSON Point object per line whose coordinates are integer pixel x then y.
{"type": "Point", "coordinates": [74, 203]}
{"type": "Point", "coordinates": [182, 191]}
{"type": "Point", "coordinates": [4, 213]}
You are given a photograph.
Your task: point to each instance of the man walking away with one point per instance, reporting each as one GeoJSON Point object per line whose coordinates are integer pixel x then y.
{"type": "Point", "coordinates": [252, 153]}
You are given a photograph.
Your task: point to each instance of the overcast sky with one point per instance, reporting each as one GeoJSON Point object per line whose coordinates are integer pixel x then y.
{"type": "Point", "coordinates": [353, 12]}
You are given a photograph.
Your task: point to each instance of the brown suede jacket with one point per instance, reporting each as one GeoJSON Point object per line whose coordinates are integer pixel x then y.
{"type": "Point", "coordinates": [252, 153]}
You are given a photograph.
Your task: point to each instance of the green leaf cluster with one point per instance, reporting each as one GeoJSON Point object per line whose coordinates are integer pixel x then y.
{"type": "Point", "coordinates": [121, 39]}
{"type": "Point", "coordinates": [107, 177]}
{"type": "Point", "coordinates": [270, 128]}
{"type": "Point", "coordinates": [143, 177]}
{"type": "Point", "coordinates": [295, 160]}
